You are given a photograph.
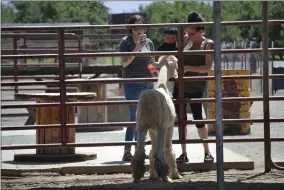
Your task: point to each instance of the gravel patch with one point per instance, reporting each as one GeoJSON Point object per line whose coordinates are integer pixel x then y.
{"type": "Point", "coordinates": [235, 180]}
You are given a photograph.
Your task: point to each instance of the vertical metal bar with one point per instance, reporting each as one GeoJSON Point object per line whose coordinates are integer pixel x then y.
{"type": "Point", "coordinates": [112, 60]}
{"type": "Point", "coordinates": [260, 69]}
{"type": "Point", "coordinates": [15, 46]}
{"type": "Point", "coordinates": [265, 70]}
{"type": "Point", "coordinates": [25, 46]}
{"type": "Point", "coordinates": [245, 61]}
{"type": "Point", "coordinates": [61, 60]}
{"type": "Point", "coordinates": [218, 94]}
{"type": "Point", "coordinates": [246, 55]}
{"type": "Point", "coordinates": [181, 127]}
{"type": "Point", "coordinates": [80, 59]}
{"type": "Point", "coordinates": [272, 66]}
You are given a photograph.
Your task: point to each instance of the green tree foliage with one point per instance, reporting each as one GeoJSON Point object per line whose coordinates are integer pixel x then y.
{"type": "Point", "coordinates": [55, 12]}
{"type": "Point", "coordinates": [7, 14]}
{"type": "Point", "coordinates": [176, 12]}
{"type": "Point", "coordinates": [163, 12]}
{"type": "Point", "coordinates": [242, 11]}
{"type": "Point", "coordinates": [276, 11]}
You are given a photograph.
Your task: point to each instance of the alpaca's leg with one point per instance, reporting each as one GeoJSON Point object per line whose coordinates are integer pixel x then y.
{"type": "Point", "coordinates": [170, 155]}
{"type": "Point", "coordinates": [170, 159]}
{"type": "Point", "coordinates": [160, 162]}
{"type": "Point", "coordinates": [152, 170]}
{"type": "Point", "coordinates": [138, 167]}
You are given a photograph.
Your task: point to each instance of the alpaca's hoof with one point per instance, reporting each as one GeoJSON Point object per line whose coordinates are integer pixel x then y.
{"type": "Point", "coordinates": [177, 176]}
{"type": "Point", "coordinates": [168, 180]}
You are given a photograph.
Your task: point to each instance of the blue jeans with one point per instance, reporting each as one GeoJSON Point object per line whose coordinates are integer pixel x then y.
{"type": "Point", "coordinates": [133, 91]}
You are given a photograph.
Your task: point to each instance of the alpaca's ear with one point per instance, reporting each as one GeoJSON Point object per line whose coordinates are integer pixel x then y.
{"type": "Point", "coordinates": [176, 62]}
{"type": "Point", "coordinates": [156, 64]}
{"type": "Point", "coordinates": [176, 65]}
{"type": "Point", "coordinates": [162, 58]}
{"type": "Point", "coordinates": [174, 58]}
{"type": "Point", "coordinates": [159, 63]}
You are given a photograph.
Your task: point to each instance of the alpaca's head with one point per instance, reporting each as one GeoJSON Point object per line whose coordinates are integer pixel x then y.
{"type": "Point", "coordinates": [171, 62]}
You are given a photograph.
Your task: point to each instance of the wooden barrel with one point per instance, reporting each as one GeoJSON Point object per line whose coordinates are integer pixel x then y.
{"type": "Point", "coordinates": [231, 110]}
{"type": "Point", "coordinates": [52, 115]}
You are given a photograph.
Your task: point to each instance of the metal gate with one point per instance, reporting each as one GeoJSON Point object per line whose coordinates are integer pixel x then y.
{"type": "Point", "coordinates": [61, 55]}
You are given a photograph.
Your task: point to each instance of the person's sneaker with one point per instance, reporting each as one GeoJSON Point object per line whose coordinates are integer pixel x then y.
{"type": "Point", "coordinates": [182, 158]}
{"type": "Point", "coordinates": [208, 158]}
{"type": "Point", "coordinates": [127, 157]}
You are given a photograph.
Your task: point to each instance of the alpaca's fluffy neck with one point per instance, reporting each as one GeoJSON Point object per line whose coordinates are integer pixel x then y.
{"type": "Point", "coordinates": [163, 78]}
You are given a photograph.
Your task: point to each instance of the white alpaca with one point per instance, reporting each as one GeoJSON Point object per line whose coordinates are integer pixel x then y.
{"type": "Point", "coordinates": [156, 113]}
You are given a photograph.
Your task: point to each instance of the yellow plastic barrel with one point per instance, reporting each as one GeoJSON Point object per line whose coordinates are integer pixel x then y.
{"type": "Point", "coordinates": [231, 110]}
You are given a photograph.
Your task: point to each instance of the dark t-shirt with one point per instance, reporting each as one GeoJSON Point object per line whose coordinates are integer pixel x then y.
{"type": "Point", "coordinates": [195, 60]}
{"type": "Point", "coordinates": [138, 67]}
{"type": "Point", "coordinates": [167, 47]}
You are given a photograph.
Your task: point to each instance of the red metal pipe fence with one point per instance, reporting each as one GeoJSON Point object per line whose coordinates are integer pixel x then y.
{"type": "Point", "coordinates": [47, 50]}
{"type": "Point", "coordinates": [63, 82]}
{"type": "Point", "coordinates": [15, 50]}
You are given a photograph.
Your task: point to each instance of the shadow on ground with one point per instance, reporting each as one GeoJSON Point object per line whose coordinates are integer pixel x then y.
{"type": "Point", "coordinates": [37, 163]}
{"type": "Point", "coordinates": [147, 185]}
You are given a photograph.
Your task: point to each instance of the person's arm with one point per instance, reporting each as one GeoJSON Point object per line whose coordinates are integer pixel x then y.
{"type": "Point", "coordinates": [208, 61]}
{"type": "Point", "coordinates": [123, 47]}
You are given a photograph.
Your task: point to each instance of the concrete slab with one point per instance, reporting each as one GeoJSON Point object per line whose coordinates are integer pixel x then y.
{"type": "Point", "coordinates": [109, 161]}
{"type": "Point", "coordinates": [8, 166]}
{"type": "Point", "coordinates": [7, 155]}
{"type": "Point", "coordinates": [26, 167]}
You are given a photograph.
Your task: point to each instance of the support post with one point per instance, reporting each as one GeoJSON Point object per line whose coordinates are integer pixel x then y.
{"type": "Point", "coordinates": [181, 122]}
{"type": "Point", "coordinates": [61, 61]}
{"type": "Point", "coordinates": [265, 70]}
{"type": "Point", "coordinates": [15, 47]}
{"type": "Point", "coordinates": [218, 94]}
{"type": "Point", "coordinates": [272, 67]}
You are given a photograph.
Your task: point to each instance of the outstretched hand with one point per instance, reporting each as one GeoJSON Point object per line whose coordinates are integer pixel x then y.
{"type": "Point", "coordinates": [139, 45]}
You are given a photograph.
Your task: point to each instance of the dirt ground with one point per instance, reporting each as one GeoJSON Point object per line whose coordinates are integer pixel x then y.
{"type": "Point", "coordinates": [235, 180]}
